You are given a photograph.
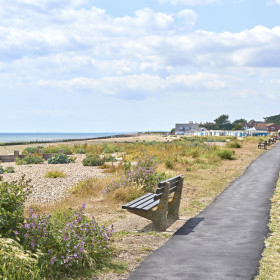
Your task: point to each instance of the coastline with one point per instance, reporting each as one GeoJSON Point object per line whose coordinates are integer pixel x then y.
{"type": "Point", "coordinates": [65, 140]}
{"type": "Point", "coordinates": [133, 137]}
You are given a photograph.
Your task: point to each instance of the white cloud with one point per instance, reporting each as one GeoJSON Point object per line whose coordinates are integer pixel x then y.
{"type": "Point", "coordinates": [132, 57]}
{"type": "Point", "coordinates": [141, 86]}
{"type": "Point", "coordinates": [189, 2]}
{"type": "Point", "coordinates": [189, 16]}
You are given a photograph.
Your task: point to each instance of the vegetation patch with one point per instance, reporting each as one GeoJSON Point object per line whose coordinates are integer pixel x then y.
{"type": "Point", "coordinates": [59, 159]}
{"type": "Point", "coordinates": [270, 263]}
{"type": "Point", "coordinates": [137, 180]}
{"type": "Point", "coordinates": [234, 144]}
{"type": "Point", "coordinates": [10, 169]}
{"type": "Point", "coordinates": [55, 174]}
{"type": "Point", "coordinates": [29, 159]}
{"type": "Point", "coordinates": [16, 263]}
{"type": "Point", "coordinates": [66, 243]}
{"type": "Point", "coordinates": [33, 150]}
{"type": "Point", "coordinates": [92, 160]}
{"type": "Point", "coordinates": [225, 154]}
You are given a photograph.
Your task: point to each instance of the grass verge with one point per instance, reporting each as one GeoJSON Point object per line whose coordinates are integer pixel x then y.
{"type": "Point", "coordinates": [270, 263]}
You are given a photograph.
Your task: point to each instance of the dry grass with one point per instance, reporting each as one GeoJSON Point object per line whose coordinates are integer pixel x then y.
{"type": "Point", "coordinates": [270, 262]}
{"type": "Point", "coordinates": [55, 174]}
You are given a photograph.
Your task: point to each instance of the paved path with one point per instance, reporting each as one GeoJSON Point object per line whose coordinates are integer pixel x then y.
{"type": "Point", "coordinates": [226, 240]}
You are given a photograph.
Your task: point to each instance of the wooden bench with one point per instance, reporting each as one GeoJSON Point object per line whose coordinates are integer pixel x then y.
{"type": "Point", "coordinates": [160, 205]}
{"type": "Point", "coordinates": [263, 145]}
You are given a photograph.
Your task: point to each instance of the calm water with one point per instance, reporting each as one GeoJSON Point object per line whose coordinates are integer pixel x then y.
{"type": "Point", "coordinates": [28, 137]}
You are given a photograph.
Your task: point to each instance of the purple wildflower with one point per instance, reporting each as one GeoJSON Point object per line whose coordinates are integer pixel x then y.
{"type": "Point", "coordinates": [53, 260]}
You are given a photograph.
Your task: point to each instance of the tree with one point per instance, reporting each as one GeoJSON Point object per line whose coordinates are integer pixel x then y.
{"type": "Point", "coordinates": [172, 131]}
{"type": "Point", "coordinates": [223, 119]}
{"type": "Point", "coordinates": [239, 121]}
{"type": "Point", "coordinates": [238, 127]}
{"type": "Point", "coordinates": [273, 119]}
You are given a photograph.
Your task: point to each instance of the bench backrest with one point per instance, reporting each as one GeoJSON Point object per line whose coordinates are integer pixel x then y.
{"type": "Point", "coordinates": [173, 186]}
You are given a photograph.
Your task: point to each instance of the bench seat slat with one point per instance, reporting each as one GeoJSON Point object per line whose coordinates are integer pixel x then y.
{"type": "Point", "coordinates": [147, 205]}
{"type": "Point", "coordinates": [150, 206]}
{"type": "Point", "coordinates": [136, 200]}
{"type": "Point", "coordinates": [136, 204]}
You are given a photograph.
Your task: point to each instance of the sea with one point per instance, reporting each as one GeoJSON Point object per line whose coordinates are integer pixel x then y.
{"type": "Point", "coordinates": [44, 137]}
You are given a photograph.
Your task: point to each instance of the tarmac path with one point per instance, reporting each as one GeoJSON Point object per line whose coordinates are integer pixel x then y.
{"type": "Point", "coordinates": [226, 240]}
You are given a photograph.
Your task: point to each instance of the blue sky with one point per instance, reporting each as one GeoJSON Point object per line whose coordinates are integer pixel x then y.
{"type": "Point", "coordinates": [103, 65]}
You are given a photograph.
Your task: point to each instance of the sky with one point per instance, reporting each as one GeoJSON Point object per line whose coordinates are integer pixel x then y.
{"type": "Point", "coordinates": [136, 65]}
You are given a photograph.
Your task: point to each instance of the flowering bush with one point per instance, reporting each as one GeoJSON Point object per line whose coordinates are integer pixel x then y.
{"type": "Point", "coordinates": [143, 175]}
{"type": "Point", "coordinates": [67, 240]}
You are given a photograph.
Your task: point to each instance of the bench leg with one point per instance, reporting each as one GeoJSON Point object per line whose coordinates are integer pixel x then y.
{"type": "Point", "coordinates": [174, 205]}
{"type": "Point", "coordinates": [159, 221]}
{"type": "Point", "coordinates": [159, 216]}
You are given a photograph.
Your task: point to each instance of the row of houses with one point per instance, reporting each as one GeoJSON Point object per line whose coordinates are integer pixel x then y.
{"type": "Point", "coordinates": [252, 128]}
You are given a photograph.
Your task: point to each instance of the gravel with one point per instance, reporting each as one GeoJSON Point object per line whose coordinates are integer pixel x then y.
{"type": "Point", "coordinates": [48, 190]}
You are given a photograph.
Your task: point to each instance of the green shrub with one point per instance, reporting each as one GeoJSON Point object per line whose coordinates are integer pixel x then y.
{"type": "Point", "coordinates": [234, 144]}
{"type": "Point", "coordinates": [169, 164]}
{"type": "Point", "coordinates": [59, 159]}
{"type": "Point", "coordinates": [51, 150]}
{"type": "Point", "coordinates": [29, 159]}
{"type": "Point", "coordinates": [32, 150]}
{"type": "Point", "coordinates": [110, 158]}
{"type": "Point", "coordinates": [10, 169]}
{"type": "Point", "coordinates": [80, 151]}
{"type": "Point", "coordinates": [67, 150]}
{"type": "Point", "coordinates": [92, 160]}
{"type": "Point", "coordinates": [109, 149]}
{"type": "Point", "coordinates": [16, 263]}
{"type": "Point", "coordinates": [225, 154]}
{"type": "Point", "coordinates": [12, 197]}
{"type": "Point", "coordinates": [55, 149]}
{"type": "Point", "coordinates": [55, 174]}
{"type": "Point", "coordinates": [2, 170]}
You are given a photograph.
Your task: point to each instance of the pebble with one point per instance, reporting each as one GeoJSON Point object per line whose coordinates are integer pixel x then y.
{"type": "Point", "coordinates": [49, 190]}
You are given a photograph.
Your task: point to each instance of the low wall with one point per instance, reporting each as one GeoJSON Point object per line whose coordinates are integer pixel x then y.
{"type": "Point", "coordinates": [12, 158]}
